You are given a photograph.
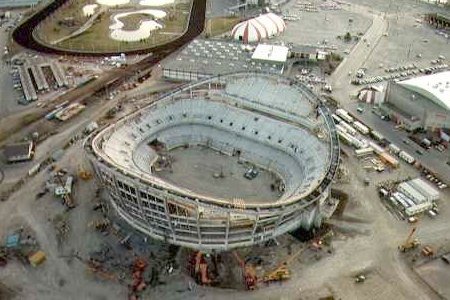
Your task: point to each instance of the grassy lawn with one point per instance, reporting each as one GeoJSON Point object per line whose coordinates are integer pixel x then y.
{"type": "Point", "coordinates": [97, 38]}
{"type": "Point", "coordinates": [220, 25]}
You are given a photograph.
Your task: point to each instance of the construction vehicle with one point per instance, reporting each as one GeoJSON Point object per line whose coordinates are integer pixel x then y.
{"type": "Point", "coordinates": [427, 251]}
{"type": "Point", "coordinates": [248, 272]}
{"type": "Point", "coordinates": [282, 272]}
{"type": "Point", "coordinates": [360, 278]}
{"type": "Point", "coordinates": [85, 175]}
{"type": "Point", "coordinates": [199, 268]}
{"type": "Point", "coordinates": [410, 242]}
{"type": "Point", "coordinates": [138, 284]}
{"type": "Point", "coordinates": [100, 225]}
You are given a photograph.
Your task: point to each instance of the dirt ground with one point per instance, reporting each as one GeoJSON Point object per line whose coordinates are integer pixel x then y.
{"type": "Point", "coordinates": [204, 170]}
{"type": "Point", "coordinates": [365, 240]}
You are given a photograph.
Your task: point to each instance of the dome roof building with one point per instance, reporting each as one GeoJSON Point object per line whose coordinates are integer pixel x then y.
{"type": "Point", "coordinates": [256, 29]}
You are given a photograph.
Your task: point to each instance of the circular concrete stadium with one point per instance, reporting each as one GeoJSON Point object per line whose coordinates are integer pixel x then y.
{"type": "Point", "coordinates": [225, 162]}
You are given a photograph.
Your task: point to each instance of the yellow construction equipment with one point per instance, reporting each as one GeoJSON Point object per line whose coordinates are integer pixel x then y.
{"type": "Point", "coordinates": [85, 175]}
{"type": "Point", "coordinates": [427, 251]}
{"type": "Point", "coordinates": [83, 172]}
{"type": "Point", "coordinates": [282, 272]}
{"type": "Point", "coordinates": [410, 242]}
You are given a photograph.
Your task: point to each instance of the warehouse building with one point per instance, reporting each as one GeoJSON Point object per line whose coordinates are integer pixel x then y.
{"type": "Point", "coordinates": [205, 58]}
{"type": "Point", "coordinates": [309, 52]}
{"type": "Point", "coordinates": [272, 55]}
{"type": "Point", "coordinates": [17, 3]}
{"type": "Point", "coordinates": [422, 102]}
{"type": "Point", "coordinates": [416, 195]}
{"type": "Point", "coordinates": [19, 152]}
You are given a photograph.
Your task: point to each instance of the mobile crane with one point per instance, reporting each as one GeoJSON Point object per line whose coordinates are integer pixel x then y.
{"type": "Point", "coordinates": [410, 242]}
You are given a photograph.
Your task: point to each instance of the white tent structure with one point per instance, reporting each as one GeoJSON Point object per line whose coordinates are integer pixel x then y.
{"type": "Point", "coordinates": [256, 29]}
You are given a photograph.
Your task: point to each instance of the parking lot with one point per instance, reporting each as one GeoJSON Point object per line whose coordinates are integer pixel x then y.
{"type": "Point", "coordinates": [9, 96]}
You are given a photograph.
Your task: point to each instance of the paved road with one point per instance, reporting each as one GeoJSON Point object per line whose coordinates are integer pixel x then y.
{"type": "Point", "coordinates": [432, 158]}
{"type": "Point", "coordinates": [340, 80]}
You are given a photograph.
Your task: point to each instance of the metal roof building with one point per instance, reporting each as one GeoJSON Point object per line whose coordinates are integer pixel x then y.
{"type": "Point", "coordinates": [17, 3]}
{"type": "Point", "coordinates": [271, 53]}
{"type": "Point", "coordinates": [420, 102]}
{"type": "Point", "coordinates": [204, 58]}
{"type": "Point", "coordinates": [19, 152]}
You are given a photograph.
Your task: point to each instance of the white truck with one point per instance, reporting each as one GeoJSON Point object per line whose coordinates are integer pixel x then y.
{"type": "Point", "coordinates": [336, 119]}
{"type": "Point", "coordinates": [394, 149]}
{"type": "Point", "coordinates": [363, 152]}
{"type": "Point", "coordinates": [348, 128]}
{"type": "Point", "coordinates": [361, 127]}
{"type": "Point", "coordinates": [376, 135]}
{"type": "Point", "coordinates": [344, 115]}
{"type": "Point", "coordinates": [406, 157]}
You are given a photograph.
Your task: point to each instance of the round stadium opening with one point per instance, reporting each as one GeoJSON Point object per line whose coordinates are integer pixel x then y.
{"type": "Point", "coordinates": [225, 162]}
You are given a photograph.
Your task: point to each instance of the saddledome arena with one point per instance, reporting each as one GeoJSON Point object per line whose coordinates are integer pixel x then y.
{"type": "Point", "coordinates": [226, 162]}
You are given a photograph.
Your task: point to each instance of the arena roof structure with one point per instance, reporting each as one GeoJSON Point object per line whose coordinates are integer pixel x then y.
{"type": "Point", "coordinates": [259, 28]}
{"type": "Point", "coordinates": [435, 87]}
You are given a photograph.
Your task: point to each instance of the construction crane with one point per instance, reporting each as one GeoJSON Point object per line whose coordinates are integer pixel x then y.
{"type": "Point", "coordinates": [410, 242]}
{"type": "Point", "coordinates": [282, 272]}
{"type": "Point", "coordinates": [248, 272]}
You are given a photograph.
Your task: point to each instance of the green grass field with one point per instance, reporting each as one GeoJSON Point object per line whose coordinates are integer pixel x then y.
{"type": "Point", "coordinates": [220, 25]}
{"type": "Point", "coordinates": [97, 38]}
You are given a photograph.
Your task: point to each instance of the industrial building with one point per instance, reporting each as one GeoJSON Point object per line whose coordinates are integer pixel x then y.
{"type": "Point", "coordinates": [17, 3]}
{"type": "Point", "coordinates": [257, 29]}
{"type": "Point", "coordinates": [19, 152]}
{"type": "Point", "coordinates": [246, 119]}
{"type": "Point", "coordinates": [309, 52]}
{"type": "Point", "coordinates": [416, 196]}
{"type": "Point", "coordinates": [203, 58]}
{"type": "Point", "coordinates": [271, 54]}
{"type": "Point", "coordinates": [421, 102]}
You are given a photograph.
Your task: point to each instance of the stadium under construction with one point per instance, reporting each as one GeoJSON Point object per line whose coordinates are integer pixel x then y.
{"type": "Point", "coordinates": [229, 161]}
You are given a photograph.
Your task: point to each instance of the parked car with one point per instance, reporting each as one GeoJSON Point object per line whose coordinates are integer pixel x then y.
{"type": "Point", "coordinates": [251, 173]}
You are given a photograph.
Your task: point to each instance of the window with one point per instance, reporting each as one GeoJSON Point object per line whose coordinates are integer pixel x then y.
{"type": "Point", "coordinates": [243, 127]}
{"type": "Point", "coordinates": [231, 123]}
{"type": "Point", "coordinates": [209, 117]}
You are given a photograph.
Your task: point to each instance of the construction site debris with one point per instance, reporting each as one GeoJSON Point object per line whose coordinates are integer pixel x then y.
{"type": "Point", "coordinates": [37, 258]}
{"type": "Point", "coordinates": [19, 244]}
{"type": "Point", "coordinates": [62, 227]}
